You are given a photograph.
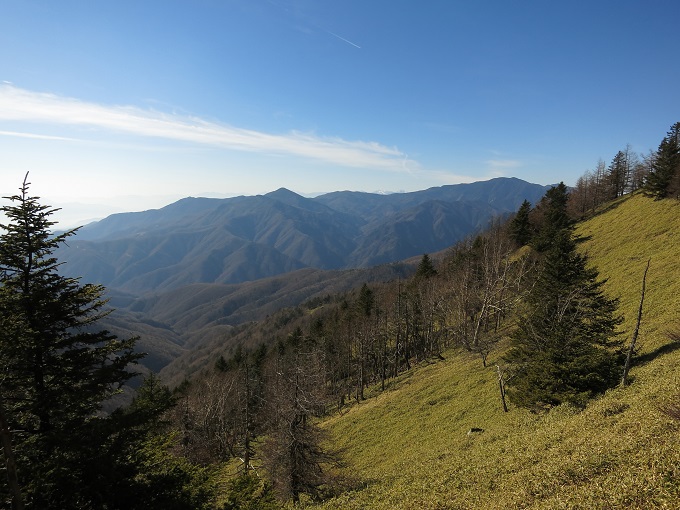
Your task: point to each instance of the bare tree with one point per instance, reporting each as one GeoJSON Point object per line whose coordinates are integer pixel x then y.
{"type": "Point", "coordinates": [633, 340]}
{"type": "Point", "coordinates": [579, 198]}
{"type": "Point", "coordinates": [486, 282]}
{"type": "Point", "coordinates": [642, 169]}
{"type": "Point", "coordinates": [502, 379]}
{"type": "Point", "coordinates": [292, 453]}
{"type": "Point", "coordinates": [220, 415]}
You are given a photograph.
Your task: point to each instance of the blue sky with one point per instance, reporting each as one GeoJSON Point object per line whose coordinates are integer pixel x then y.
{"type": "Point", "coordinates": [129, 105]}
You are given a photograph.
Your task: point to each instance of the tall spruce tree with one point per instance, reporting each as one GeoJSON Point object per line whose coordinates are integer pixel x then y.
{"type": "Point", "coordinates": [618, 175]}
{"type": "Point", "coordinates": [425, 268]}
{"type": "Point", "coordinates": [565, 348]}
{"type": "Point", "coordinates": [663, 180]}
{"type": "Point", "coordinates": [56, 368]}
{"type": "Point", "coordinates": [520, 226]}
{"type": "Point", "coordinates": [554, 217]}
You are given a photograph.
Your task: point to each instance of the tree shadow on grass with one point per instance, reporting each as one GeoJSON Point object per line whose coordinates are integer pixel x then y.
{"type": "Point", "coordinates": [611, 205]}
{"type": "Point", "coordinates": [660, 351]}
{"type": "Point", "coordinates": [604, 207]}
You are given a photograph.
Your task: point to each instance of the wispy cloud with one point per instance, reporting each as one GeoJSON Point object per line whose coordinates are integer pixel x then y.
{"type": "Point", "coordinates": [37, 136]}
{"type": "Point", "coordinates": [17, 104]}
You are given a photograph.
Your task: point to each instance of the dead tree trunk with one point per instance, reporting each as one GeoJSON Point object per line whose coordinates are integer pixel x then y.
{"type": "Point", "coordinates": [501, 387]}
{"type": "Point", "coordinates": [631, 348]}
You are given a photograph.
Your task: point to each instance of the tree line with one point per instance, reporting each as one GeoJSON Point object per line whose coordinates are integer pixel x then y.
{"type": "Point", "coordinates": [656, 173]}
{"type": "Point", "coordinates": [59, 371]}
{"type": "Point", "coordinates": [324, 359]}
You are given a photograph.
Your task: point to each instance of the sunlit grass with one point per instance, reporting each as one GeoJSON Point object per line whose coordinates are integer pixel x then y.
{"type": "Point", "coordinates": [408, 447]}
{"type": "Point", "coordinates": [622, 241]}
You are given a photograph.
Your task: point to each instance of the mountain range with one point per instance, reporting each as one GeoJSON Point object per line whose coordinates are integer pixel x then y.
{"type": "Point", "coordinates": [202, 240]}
{"type": "Point", "coordinates": [199, 266]}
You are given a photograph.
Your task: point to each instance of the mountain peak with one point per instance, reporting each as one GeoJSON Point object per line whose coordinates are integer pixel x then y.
{"type": "Point", "coordinates": [283, 193]}
{"type": "Point", "coordinates": [288, 197]}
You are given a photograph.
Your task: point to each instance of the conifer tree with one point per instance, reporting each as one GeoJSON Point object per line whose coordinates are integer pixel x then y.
{"type": "Point", "coordinates": [565, 348]}
{"type": "Point", "coordinates": [663, 179]}
{"type": "Point", "coordinates": [141, 470]}
{"type": "Point", "coordinates": [554, 216]}
{"type": "Point", "coordinates": [618, 175]}
{"type": "Point", "coordinates": [520, 226]}
{"type": "Point", "coordinates": [426, 268]}
{"type": "Point", "coordinates": [56, 367]}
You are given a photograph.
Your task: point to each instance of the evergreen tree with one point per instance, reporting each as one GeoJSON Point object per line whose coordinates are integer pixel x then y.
{"type": "Point", "coordinates": [618, 175]}
{"type": "Point", "coordinates": [141, 471]}
{"type": "Point", "coordinates": [57, 369]}
{"type": "Point", "coordinates": [520, 226]}
{"type": "Point", "coordinates": [663, 180]}
{"type": "Point", "coordinates": [366, 301]}
{"type": "Point", "coordinates": [554, 217]}
{"type": "Point", "coordinates": [565, 348]}
{"type": "Point", "coordinates": [425, 268]}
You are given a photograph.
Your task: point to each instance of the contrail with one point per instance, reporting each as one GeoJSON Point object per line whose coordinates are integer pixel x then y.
{"type": "Point", "coordinates": [343, 39]}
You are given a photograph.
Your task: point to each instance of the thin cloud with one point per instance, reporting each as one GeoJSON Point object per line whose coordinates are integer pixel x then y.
{"type": "Point", "coordinates": [22, 105]}
{"type": "Point", "coordinates": [37, 136]}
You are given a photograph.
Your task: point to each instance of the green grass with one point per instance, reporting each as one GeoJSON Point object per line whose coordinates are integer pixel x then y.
{"type": "Point", "coordinates": [408, 447]}
{"type": "Point", "coordinates": [622, 241]}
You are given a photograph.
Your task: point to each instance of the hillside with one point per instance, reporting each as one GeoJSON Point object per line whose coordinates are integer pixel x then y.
{"type": "Point", "coordinates": [179, 329]}
{"type": "Point", "coordinates": [206, 315]}
{"type": "Point", "coordinates": [408, 447]}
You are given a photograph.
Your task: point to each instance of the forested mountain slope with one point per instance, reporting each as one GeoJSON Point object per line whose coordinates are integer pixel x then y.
{"type": "Point", "coordinates": [182, 276]}
{"type": "Point", "coordinates": [181, 327]}
{"type": "Point", "coordinates": [200, 240]}
{"type": "Point", "coordinates": [202, 316]}
{"type": "Point", "coordinates": [409, 446]}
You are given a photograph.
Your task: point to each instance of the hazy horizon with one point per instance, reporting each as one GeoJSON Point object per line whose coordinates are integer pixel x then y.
{"type": "Point", "coordinates": [78, 214]}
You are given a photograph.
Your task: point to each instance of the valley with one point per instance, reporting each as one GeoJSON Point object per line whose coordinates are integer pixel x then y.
{"type": "Point", "coordinates": [183, 276]}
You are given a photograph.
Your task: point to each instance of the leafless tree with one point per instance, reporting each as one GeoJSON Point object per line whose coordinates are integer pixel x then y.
{"type": "Point", "coordinates": [633, 340]}
{"type": "Point", "coordinates": [292, 453]}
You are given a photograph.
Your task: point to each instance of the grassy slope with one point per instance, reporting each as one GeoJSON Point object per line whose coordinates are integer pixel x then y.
{"type": "Point", "coordinates": [409, 446]}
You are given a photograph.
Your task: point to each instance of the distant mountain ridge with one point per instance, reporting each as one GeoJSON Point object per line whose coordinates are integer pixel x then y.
{"type": "Point", "coordinates": [231, 240]}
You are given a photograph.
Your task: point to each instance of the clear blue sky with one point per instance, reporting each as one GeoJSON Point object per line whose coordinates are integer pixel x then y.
{"type": "Point", "coordinates": [133, 104]}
